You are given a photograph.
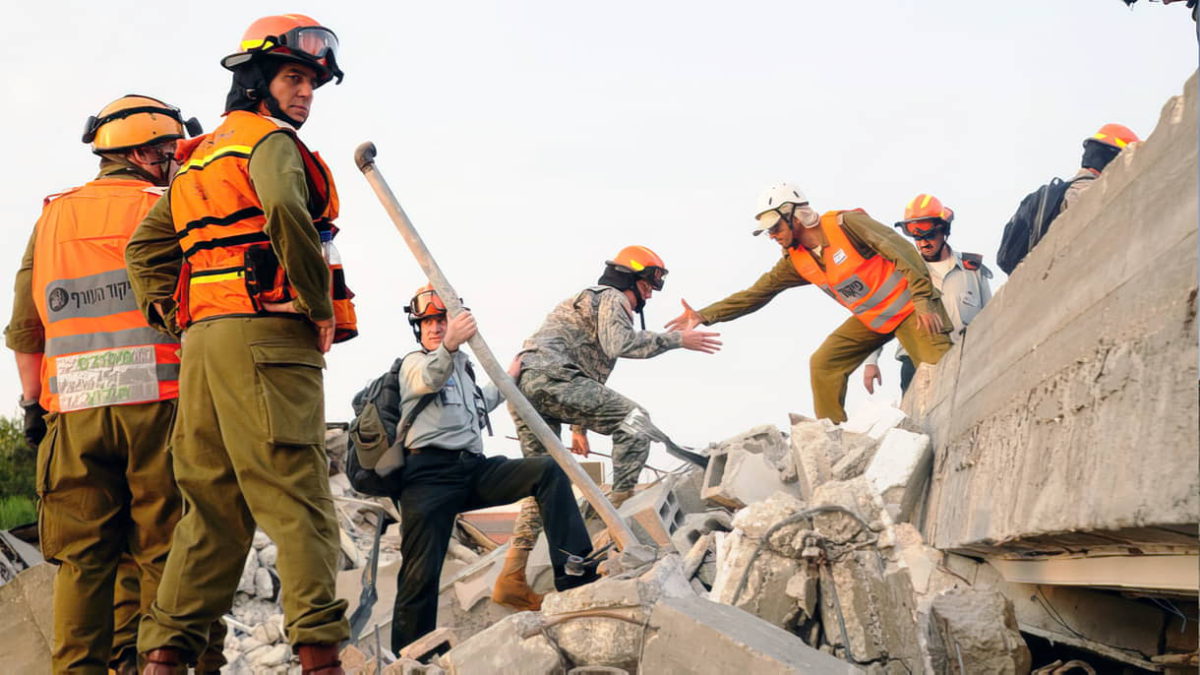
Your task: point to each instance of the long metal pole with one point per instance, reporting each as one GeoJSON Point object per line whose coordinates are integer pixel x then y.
{"type": "Point", "coordinates": [364, 157]}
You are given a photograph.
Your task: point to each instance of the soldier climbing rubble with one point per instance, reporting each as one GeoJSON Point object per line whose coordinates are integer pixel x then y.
{"type": "Point", "coordinates": [564, 366]}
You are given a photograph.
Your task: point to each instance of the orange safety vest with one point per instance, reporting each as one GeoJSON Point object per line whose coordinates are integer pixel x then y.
{"type": "Point", "coordinates": [230, 268]}
{"type": "Point", "coordinates": [99, 348]}
{"type": "Point", "coordinates": [872, 287]}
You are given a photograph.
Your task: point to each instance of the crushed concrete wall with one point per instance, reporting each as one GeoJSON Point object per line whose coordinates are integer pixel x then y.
{"type": "Point", "coordinates": [1079, 429]}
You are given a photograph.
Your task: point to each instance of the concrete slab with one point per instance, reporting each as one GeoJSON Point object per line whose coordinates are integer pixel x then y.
{"type": "Point", "coordinates": [975, 631]}
{"type": "Point", "coordinates": [513, 645]}
{"type": "Point", "coordinates": [897, 472]}
{"type": "Point", "coordinates": [26, 624]}
{"type": "Point", "coordinates": [691, 635]}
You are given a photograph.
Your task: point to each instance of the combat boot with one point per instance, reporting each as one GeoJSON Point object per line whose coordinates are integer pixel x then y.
{"type": "Point", "coordinates": [511, 589]}
{"type": "Point", "coordinates": [319, 660]}
{"type": "Point", "coordinates": [164, 661]}
{"type": "Point", "coordinates": [619, 498]}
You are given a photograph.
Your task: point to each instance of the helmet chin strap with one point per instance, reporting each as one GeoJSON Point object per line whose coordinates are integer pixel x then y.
{"type": "Point", "coordinates": [276, 111]}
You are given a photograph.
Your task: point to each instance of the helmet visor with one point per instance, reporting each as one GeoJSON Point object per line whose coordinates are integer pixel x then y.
{"type": "Point", "coordinates": [654, 276]}
{"type": "Point", "coordinates": [766, 220]}
{"type": "Point", "coordinates": [424, 304]}
{"type": "Point", "coordinates": [315, 41]}
{"type": "Point", "coordinates": [922, 228]}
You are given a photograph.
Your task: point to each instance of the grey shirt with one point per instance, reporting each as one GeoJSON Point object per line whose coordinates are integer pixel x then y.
{"type": "Point", "coordinates": [452, 420]}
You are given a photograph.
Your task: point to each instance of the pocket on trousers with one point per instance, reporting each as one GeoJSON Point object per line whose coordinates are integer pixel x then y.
{"type": "Point", "coordinates": [47, 532]}
{"type": "Point", "coordinates": [291, 386]}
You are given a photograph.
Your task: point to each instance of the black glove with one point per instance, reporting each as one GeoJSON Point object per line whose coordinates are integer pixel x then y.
{"type": "Point", "coordinates": [35, 422]}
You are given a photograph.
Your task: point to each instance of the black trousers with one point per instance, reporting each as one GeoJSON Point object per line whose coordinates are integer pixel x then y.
{"type": "Point", "coordinates": [440, 484]}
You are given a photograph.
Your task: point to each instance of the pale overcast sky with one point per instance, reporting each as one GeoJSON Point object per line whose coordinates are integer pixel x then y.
{"type": "Point", "coordinates": [530, 141]}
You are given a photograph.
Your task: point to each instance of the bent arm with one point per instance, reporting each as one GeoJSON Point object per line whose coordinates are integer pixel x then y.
{"type": "Point", "coordinates": [277, 172]}
{"type": "Point", "coordinates": [153, 260]}
{"type": "Point", "coordinates": [426, 373]}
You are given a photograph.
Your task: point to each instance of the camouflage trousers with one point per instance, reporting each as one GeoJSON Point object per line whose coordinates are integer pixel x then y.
{"type": "Point", "coordinates": [564, 395]}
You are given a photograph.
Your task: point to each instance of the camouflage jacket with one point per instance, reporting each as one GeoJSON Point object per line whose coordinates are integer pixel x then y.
{"type": "Point", "coordinates": [590, 331]}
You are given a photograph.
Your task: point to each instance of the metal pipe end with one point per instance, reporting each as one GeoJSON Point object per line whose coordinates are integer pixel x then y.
{"type": "Point", "coordinates": [364, 156]}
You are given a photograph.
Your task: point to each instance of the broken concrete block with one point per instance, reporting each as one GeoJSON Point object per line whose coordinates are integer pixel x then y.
{"type": "Point", "coordinates": [692, 635]}
{"type": "Point", "coordinates": [876, 608]}
{"type": "Point", "coordinates": [656, 513]}
{"type": "Point", "coordinates": [27, 622]}
{"type": "Point", "coordinates": [975, 631]}
{"type": "Point", "coordinates": [597, 670]}
{"type": "Point", "coordinates": [899, 469]}
{"type": "Point", "coordinates": [764, 593]}
{"type": "Point", "coordinates": [857, 453]}
{"type": "Point", "coordinates": [814, 452]}
{"type": "Point", "coordinates": [747, 468]}
{"type": "Point", "coordinates": [464, 600]}
{"type": "Point", "coordinates": [513, 645]}
{"type": "Point", "coordinates": [249, 570]}
{"type": "Point", "coordinates": [696, 525]}
{"type": "Point", "coordinates": [608, 640]}
{"type": "Point", "coordinates": [804, 588]}
{"type": "Point", "coordinates": [410, 667]}
{"type": "Point", "coordinates": [873, 418]}
{"type": "Point", "coordinates": [15, 557]}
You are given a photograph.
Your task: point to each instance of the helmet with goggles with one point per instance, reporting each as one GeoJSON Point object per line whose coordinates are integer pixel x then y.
{"type": "Point", "coordinates": [291, 37]}
{"type": "Point", "coordinates": [642, 263]}
{"type": "Point", "coordinates": [776, 202]}
{"type": "Point", "coordinates": [133, 121]}
{"type": "Point", "coordinates": [925, 216]}
{"type": "Point", "coordinates": [425, 303]}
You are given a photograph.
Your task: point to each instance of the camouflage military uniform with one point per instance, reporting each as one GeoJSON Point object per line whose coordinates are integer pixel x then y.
{"type": "Point", "coordinates": [564, 367]}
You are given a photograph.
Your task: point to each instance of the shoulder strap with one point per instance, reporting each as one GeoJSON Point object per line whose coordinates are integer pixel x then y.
{"type": "Point", "coordinates": [487, 420]}
{"type": "Point", "coordinates": [407, 422]}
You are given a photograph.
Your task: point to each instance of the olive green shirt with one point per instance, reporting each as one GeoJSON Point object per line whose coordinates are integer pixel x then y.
{"type": "Point", "coordinates": [869, 237]}
{"type": "Point", "coordinates": [154, 257]}
{"type": "Point", "coordinates": [25, 332]}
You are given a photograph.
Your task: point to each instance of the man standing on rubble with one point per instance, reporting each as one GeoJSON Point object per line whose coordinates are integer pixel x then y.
{"type": "Point", "coordinates": [860, 263]}
{"type": "Point", "coordinates": [961, 278]}
{"type": "Point", "coordinates": [563, 370]}
{"type": "Point", "coordinates": [446, 472]}
{"type": "Point", "coordinates": [99, 385]}
{"type": "Point", "coordinates": [232, 254]}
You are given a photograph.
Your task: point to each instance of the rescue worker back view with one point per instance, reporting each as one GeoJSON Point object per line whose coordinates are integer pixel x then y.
{"type": "Point", "coordinates": [108, 382]}
{"type": "Point", "coordinates": [233, 255]}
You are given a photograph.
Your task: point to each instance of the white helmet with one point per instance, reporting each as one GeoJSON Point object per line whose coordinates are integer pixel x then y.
{"type": "Point", "coordinates": [770, 202]}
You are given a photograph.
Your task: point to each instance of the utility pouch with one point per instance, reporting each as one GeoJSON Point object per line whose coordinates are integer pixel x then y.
{"type": "Point", "coordinates": [344, 316]}
{"type": "Point", "coordinates": [265, 279]}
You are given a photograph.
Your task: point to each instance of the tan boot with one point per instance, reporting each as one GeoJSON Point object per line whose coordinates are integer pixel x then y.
{"type": "Point", "coordinates": [619, 498]}
{"type": "Point", "coordinates": [511, 589]}
{"type": "Point", "coordinates": [319, 660]}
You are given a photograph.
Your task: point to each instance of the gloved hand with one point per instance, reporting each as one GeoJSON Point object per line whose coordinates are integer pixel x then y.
{"type": "Point", "coordinates": [35, 422]}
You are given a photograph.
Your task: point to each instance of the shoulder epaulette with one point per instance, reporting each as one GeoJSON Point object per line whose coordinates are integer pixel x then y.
{"type": "Point", "coordinates": [974, 261]}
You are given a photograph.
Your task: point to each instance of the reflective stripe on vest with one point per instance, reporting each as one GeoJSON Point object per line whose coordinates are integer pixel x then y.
{"type": "Point", "coordinates": [99, 349]}
{"type": "Point", "coordinates": [872, 288]}
{"type": "Point", "coordinates": [220, 219]}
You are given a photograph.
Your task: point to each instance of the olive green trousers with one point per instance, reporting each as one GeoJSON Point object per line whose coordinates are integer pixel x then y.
{"type": "Point", "coordinates": [248, 447]}
{"type": "Point", "coordinates": [107, 497]}
{"type": "Point", "coordinates": [847, 347]}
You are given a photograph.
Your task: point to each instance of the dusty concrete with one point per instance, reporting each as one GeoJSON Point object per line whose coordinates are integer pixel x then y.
{"type": "Point", "coordinates": [975, 631]}
{"type": "Point", "coordinates": [748, 468]}
{"type": "Point", "coordinates": [26, 622]}
{"type": "Point", "coordinates": [1034, 429]}
{"type": "Point", "coordinates": [513, 645]}
{"type": "Point", "coordinates": [691, 635]}
{"type": "Point", "coordinates": [897, 471]}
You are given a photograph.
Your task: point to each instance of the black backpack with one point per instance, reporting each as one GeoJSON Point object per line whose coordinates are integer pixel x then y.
{"type": "Point", "coordinates": [1031, 222]}
{"type": "Point", "coordinates": [375, 429]}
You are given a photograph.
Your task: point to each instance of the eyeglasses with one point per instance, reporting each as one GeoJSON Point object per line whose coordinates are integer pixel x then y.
{"type": "Point", "coordinates": [923, 228]}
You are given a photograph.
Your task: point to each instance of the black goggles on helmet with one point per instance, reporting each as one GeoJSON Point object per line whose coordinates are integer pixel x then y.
{"type": "Point", "coordinates": [922, 228]}
{"type": "Point", "coordinates": [654, 276]}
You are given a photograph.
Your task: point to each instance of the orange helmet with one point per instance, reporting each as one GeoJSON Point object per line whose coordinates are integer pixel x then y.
{"type": "Point", "coordinates": [425, 303]}
{"type": "Point", "coordinates": [924, 216]}
{"type": "Point", "coordinates": [1116, 135]}
{"type": "Point", "coordinates": [643, 263]}
{"type": "Point", "coordinates": [133, 121]}
{"type": "Point", "coordinates": [294, 37]}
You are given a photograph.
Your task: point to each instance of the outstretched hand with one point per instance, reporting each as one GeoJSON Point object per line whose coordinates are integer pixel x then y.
{"type": "Point", "coordinates": [701, 341]}
{"type": "Point", "coordinates": [686, 321]}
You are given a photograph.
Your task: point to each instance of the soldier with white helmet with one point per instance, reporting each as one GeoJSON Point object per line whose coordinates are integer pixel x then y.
{"type": "Point", "coordinates": [859, 262]}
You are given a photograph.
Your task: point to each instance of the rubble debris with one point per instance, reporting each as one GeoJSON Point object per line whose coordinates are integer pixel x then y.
{"type": "Point", "coordinates": [26, 624]}
{"type": "Point", "coordinates": [15, 557]}
{"type": "Point", "coordinates": [433, 643]}
{"type": "Point", "coordinates": [696, 525]}
{"type": "Point", "coordinates": [975, 631]}
{"type": "Point", "coordinates": [898, 470]}
{"type": "Point", "coordinates": [515, 644]}
{"type": "Point", "coordinates": [748, 468]}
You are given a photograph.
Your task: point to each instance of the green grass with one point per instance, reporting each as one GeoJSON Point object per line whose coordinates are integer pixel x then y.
{"type": "Point", "coordinates": [16, 511]}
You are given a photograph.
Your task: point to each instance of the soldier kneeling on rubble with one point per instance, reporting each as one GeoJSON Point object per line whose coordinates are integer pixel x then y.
{"type": "Point", "coordinates": [446, 472]}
